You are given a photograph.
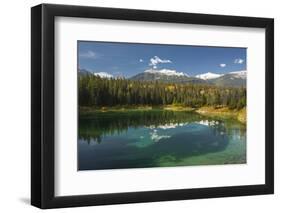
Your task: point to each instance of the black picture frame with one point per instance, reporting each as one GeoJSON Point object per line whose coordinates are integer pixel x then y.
{"type": "Point", "coordinates": [43, 117]}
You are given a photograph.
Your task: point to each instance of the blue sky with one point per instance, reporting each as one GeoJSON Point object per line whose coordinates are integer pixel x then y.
{"type": "Point", "coordinates": [128, 59]}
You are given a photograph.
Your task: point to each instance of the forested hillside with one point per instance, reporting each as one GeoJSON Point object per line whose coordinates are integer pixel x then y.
{"type": "Point", "coordinates": [95, 91]}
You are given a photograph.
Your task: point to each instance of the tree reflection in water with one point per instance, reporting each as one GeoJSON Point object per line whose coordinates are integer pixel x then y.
{"type": "Point", "coordinates": [139, 139]}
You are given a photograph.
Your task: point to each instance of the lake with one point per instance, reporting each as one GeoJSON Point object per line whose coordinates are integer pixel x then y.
{"type": "Point", "coordinates": [158, 138]}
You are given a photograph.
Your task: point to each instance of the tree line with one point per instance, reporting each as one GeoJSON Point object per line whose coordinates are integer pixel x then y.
{"type": "Point", "coordinates": [95, 91]}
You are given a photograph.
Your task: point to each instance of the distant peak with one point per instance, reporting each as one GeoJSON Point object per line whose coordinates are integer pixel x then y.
{"type": "Point", "coordinates": [103, 74]}
{"type": "Point", "coordinates": [208, 75]}
{"type": "Point", "coordinates": [239, 74]}
{"type": "Point", "coordinates": [242, 72]}
{"type": "Point", "coordinates": [166, 72]}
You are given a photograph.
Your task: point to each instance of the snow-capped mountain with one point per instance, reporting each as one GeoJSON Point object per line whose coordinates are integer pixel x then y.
{"type": "Point", "coordinates": [166, 75]}
{"type": "Point", "coordinates": [103, 74]}
{"type": "Point", "coordinates": [232, 79]}
{"type": "Point", "coordinates": [237, 78]}
{"type": "Point", "coordinates": [166, 72]}
{"type": "Point", "coordinates": [239, 74]}
{"type": "Point", "coordinates": [83, 72]}
{"type": "Point", "coordinates": [208, 75]}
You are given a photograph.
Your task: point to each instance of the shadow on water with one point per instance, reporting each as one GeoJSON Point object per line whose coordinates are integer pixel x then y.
{"type": "Point", "coordinates": [111, 140]}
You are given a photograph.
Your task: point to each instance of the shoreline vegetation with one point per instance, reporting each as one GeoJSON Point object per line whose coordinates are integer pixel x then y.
{"type": "Point", "coordinates": [102, 94]}
{"type": "Point", "coordinates": [216, 112]}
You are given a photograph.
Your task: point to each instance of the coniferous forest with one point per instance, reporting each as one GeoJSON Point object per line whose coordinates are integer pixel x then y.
{"type": "Point", "coordinates": [95, 91]}
{"type": "Point", "coordinates": [159, 105]}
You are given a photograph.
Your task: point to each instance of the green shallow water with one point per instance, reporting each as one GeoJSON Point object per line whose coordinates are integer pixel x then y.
{"type": "Point", "coordinates": [157, 138]}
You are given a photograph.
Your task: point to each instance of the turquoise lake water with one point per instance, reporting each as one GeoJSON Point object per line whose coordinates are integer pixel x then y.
{"type": "Point", "coordinates": [158, 138]}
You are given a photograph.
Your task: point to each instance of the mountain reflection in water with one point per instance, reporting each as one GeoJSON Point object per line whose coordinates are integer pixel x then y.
{"type": "Point", "coordinates": [155, 138]}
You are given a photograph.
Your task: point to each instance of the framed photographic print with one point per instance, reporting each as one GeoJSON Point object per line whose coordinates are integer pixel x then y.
{"type": "Point", "coordinates": [139, 106]}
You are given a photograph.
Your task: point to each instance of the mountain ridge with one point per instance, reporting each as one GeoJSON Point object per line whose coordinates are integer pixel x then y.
{"type": "Point", "coordinates": [208, 75]}
{"type": "Point", "coordinates": [232, 79]}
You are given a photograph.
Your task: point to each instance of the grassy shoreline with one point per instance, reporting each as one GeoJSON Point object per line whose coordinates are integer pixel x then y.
{"type": "Point", "coordinates": [240, 115]}
{"type": "Point", "coordinates": [217, 112]}
{"type": "Point", "coordinates": [136, 108]}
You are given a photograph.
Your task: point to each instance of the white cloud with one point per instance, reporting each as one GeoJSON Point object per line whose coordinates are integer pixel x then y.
{"type": "Point", "coordinates": [89, 54]}
{"type": "Point", "coordinates": [156, 60]}
{"type": "Point", "coordinates": [140, 60]}
{"type": "Point", "coordinates": [222, 65]}
{"type": "Point", "coordinates": [238, 61]}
